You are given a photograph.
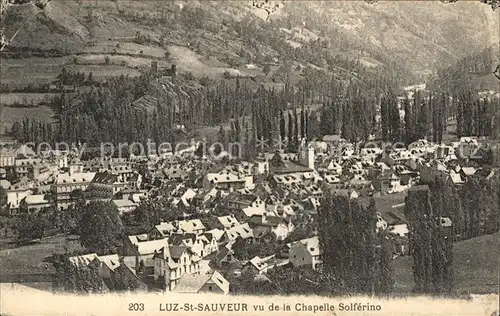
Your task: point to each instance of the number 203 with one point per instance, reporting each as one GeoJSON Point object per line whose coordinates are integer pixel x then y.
{"type": "Point", "coordinates": [135, 307]}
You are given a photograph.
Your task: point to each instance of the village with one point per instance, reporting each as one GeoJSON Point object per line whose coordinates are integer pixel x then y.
{"type": "Point", "coordinates": [268, 202]}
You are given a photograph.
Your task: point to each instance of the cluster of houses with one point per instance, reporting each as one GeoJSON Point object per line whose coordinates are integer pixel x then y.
{"type": "Point", "coordinates": [260, 202]}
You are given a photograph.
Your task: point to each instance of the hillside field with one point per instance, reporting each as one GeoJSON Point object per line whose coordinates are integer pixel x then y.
{"type": "Point", "coordinates": [9, 115]}
{"type": "Point", "coordinates": [475, 266]}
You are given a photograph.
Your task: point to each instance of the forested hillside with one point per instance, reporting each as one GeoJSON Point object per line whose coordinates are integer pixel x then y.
{"type": "Point", "coordinates": [259, 67]}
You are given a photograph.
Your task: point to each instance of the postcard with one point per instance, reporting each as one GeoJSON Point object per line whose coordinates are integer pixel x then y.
{"type": "Point", "coordinates": [249, 157]}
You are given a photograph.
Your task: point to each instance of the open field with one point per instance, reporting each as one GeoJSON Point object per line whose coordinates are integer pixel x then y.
{"type": "Point", "coordinates": [124, 48]}
{"type": "Point", "coordinates": [27, 263]}
{"type": "Point", "coordinates": [33, 70]}
{"type": "Point", "coordinates": [11, 115]}
{"type": "Point", "coordinates": [189, 61]}
{"type": "Point", "coordinates": [475, 265]}
{"type": "Point", "coordinates": [19, 73]}
{"type": "Point", "coordinates": [119, 60]}
{"type": "Point", "coordinates": [25, 98]}
{"type": "Point", "coordinates": [102, 71]}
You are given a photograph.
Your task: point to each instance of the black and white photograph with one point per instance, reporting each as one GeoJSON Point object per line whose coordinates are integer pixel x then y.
{"type": "Point", "coordinates": [249, 157]}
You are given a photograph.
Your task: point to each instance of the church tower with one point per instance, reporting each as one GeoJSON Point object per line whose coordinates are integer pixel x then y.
{"type": "Point", "coordinates": [306, 154]}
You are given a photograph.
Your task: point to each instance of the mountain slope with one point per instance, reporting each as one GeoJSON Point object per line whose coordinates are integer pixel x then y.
{"type": "Point", "coordinates": [207, 35]}
{"type": "Point", "coordinates": [424, 36]}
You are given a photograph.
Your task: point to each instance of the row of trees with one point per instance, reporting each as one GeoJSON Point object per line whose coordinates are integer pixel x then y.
{"type": "Point", "coordinates": [472, 207]}
{"type": "Point", "coordinates": [477, 116]}
{"type": "Point", "coordinates": [97, 223]}
{"type": "Point", "coordinates": [473, 210]}
{"type": "Point", "coordinates": [354, 253]}
{"type": "Point", "coordinates": [86, 278]}
{"type": "Point", "coordinates": [430, 244]}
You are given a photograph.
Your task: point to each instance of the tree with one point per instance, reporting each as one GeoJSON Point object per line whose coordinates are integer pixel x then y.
{"type": "Point", "coordinates": [3, 197]}
{"type": "Point", "coordinates": [291, 138]}
{"type": "Point", "coordinates": [282, 126]}
{"type": "Point", "coordinates": [76, 278]}
{"type": "Point", "coordinates": [384, 119]}
{"type": "Point", "coordinates": [90, 78]}
{"type": "Point", "coordinates": [123, 281]}
{"type": "Point", "coordinates": [266, 69]}
{"type": "Point", "coordinates": [302, 123]}
{"type": "Point", "coordinates": [353, 252]}
{"type": "Point", "coordinates": [17, 131]}
{"type": "Point", "coordinates": [222, 137]}
{"type": "Point", "coordinates": [31, 227]}
{"type": "Point", "coordinates": [430, 244]}
{"type": "Point", "coordinates": [326, 120]}
{"type": "Point", "coordinates": [296, 131]}
{"type": "Point", "coordinates": [300, 232]}
{"type": "Point", "coordinates": [100, 228]}
{"type": "Point", "coordinates": [246, 251]}
{"type": "Point", "coordinates": [408, 122]}
{"type": "Point", "coordinates": [291, 280]}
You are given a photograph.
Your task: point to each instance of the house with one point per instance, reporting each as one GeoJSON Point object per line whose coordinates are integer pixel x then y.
{"type": "Point", "coordinates": [467, 172]}
{"type": "Point", "coordinates": [212, 242]}
{"type": "Point", "coordinates": [223, 222]}
{"type": "Point", "coordinates": [34, 203]}
{"type": "Point", "coordinates": [225, 258]}
{"type": "Point", "coordinates": [66, 183]}
{"type": "Point", "coordinates": [370, 153]}
{"type": "Point", "coordinates": [261, 166]}
{"type": "Point", "coordinates": [306, 155]}
{"type": "Point", "coordinates": [184, 197]}
{"type": "Point", "coordinates": [444, 152]}
{"type": "Point", "coordinates": [164, 229]}
{"type": "Point", "coordinates": [454, 178]}
{"type": "Point", "coordinates": [277, 226]}
{"type": "Point", "coordinates": [381, 223]}
{"type": "Point", "coordinates": [388, 183]}
{"type": "Point", "coordinates": [334, 167]}
{"type": "Point", "coordinates": [331, 179]}
{"type": "Point", "coordinates": [280, 165]}
{"type": "Point", "coordinates": [216, 234]}
{"type": "Point", "coordinates": [124, 205]}
{"type": "Point", "coordinates": [212, 282]}
{"type": "Point", "coordinates": [397, 157]}
{"type": "Point", "coordinates": [7, 157]}
{"type": "Point", "coordinates": [258, 265]}
{"type": "Point", "coordinates": [349, 193]}
{"type": "Point", "coordinates": [200, 245]}
{"type": "Point", "coordinates": [82, 260]}
{"type": "Point", "coordinates": [467, 147]}
{"type": "Point", "coordinates": [125, 274]}
{"type": "Point", "coordinates": [15, 194]}
{"type": "Point", "coordinates": [391, 209]}
{"type": "Point", "coordinates": [4, 184]}
{"type": "Point", "coordinates": [242, 230]}
{"type": "Point", "coordinates": [142, 250]}
{"type": "Point", "coordinates": [105, 185]}
{"type": "Point", "coordinates": [306, 253]}
{"type": "Point", "coordinates": [228, 181]}
{"type": "Point", "coordinates": [244, 205]}
{"type": "Point", "coordinates": [23, 165]}
{"type": "Point", "coordinates": [172, 262]}
{"type": "Point", "coordinates": [332, 139]}
{"type": "Point", "coordinates": [194, 226]}
{"type": "Point", "coordinates": [107, 265]}
{"type": "Point", "coordinates": [283, 210]}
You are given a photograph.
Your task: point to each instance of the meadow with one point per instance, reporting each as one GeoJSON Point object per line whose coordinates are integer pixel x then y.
{"type": "Point", "coordinates": [475, 267]}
